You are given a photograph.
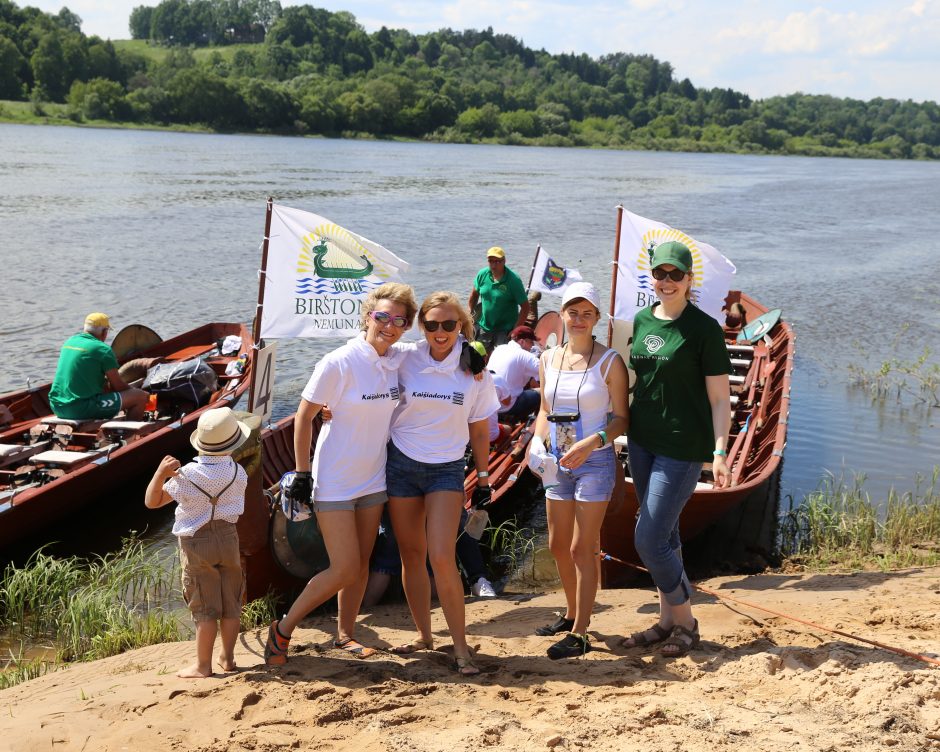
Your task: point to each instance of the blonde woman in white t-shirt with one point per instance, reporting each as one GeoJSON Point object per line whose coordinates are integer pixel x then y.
{"type": "Point", "coordinates": [584, 408]}
{"type": "Point", "coordinates": [359, 382]}
{"type": "Point", "coordinates": [442, 407]}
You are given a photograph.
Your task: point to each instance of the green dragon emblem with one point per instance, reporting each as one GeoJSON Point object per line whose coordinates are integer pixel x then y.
{"type": "Point", "coordinates": [336, 272]}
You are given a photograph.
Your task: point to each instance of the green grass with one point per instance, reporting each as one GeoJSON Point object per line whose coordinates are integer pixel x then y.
{"type": "Point", "coordinates": [838, 527]}
{"type": "Point", "coordinates": [157, 53]}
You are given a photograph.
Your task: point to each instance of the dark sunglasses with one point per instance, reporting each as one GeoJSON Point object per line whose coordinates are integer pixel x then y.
{"type": "Point", "coordinates": [381, 318]}
{"type": "Point", "coordinates": [675, 275]}
{"type": "Point", "coordinates": [447, 326]}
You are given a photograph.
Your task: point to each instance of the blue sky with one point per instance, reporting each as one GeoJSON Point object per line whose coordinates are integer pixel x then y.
{"type": "Point", "coordinates": [861, 49]}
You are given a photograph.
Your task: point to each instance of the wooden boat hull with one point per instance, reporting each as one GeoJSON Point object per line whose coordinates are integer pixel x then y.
{"type": "Point", "coordinates": [757, 469]}
{"type": "Point", "coordinates": [33, 509]}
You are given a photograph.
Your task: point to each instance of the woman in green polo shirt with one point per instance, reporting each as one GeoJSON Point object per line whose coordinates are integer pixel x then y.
{"type": "Point", "coordinates": [679, 420]}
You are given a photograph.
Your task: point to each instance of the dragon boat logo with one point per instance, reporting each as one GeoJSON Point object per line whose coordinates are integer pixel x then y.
{"type": "Point", "coordinates": [653, 343]}
{"type": "Point", "coordinates": [554, 276]}
{"type": "Point", "coordinates": [332, 261]}
{"type": "Point", "coordinates": [646, 293]}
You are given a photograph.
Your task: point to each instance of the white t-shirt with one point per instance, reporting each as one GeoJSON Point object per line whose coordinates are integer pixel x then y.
{"type": "Point", "coordinates": [438, 400]}
{"type": "Point", "coordinates": [516, 365]}
{"type": "Point", "coordinates": [505, 402]}
{"type": "Point", "coordinates": [361, 389]}
{"type": "Point", "coordinates": [211, 473]}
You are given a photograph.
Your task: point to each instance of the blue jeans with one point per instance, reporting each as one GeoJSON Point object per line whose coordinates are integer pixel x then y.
{"type": "Point", "coordinates": [663, 487]}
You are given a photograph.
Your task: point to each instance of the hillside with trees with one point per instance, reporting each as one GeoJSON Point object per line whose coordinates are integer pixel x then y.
{"type": "Point", "coordinates": [249, 65]}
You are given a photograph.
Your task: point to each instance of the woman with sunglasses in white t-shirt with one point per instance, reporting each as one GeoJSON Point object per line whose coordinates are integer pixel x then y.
{"type": "Point", "coordinates": [359, 383]}
{"type": "Point", "coordinates": [442, 408]}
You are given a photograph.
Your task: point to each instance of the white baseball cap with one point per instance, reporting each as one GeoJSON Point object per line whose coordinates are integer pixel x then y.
{"type": "Point", "coordinates": [584, 290]}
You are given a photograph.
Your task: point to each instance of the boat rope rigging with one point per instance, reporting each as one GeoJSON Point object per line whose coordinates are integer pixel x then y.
{"type": "Point", "coordinates": [724, 597]}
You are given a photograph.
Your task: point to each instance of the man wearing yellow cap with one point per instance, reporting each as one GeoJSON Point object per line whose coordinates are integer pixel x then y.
{"type": "Point", "coordinates": [502, 298]}
{"type": "Point", "coordinates": [87, 385]}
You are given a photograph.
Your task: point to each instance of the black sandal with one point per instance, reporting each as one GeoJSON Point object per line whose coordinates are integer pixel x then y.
{"type": "Point", "coordinates": [550, 630]}
{"type": "Point", "coordinates": [682, 639]}
{"type": "Point", "coordinates": [570, 646]}
{"type": "Point", "coordinates": [640, 640]}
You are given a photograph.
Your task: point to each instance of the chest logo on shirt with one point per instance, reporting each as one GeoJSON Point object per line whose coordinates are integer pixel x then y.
{"type": "Point", "coordinates": [653, 342]}
{"type": "Point", "coordinates": [456, 397]}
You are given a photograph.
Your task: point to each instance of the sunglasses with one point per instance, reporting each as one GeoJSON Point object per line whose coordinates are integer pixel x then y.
{"type": "Point", "coordinates": [381, 318]}
{"type": "Point", "coordinates": [447, 326]}
{"type": "Point", "coordinates": [675, 275]}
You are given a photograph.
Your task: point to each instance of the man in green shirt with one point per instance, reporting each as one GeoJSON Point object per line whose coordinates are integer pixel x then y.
{"type": "Point", "coordinates": [87, 385]}
{"type": "Point", "coordinates": [504, 304]}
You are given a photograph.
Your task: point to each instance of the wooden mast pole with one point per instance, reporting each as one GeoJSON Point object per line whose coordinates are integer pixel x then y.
{"type": "Point", "coordinates": [613, 281]}
{"type": "Point", "coordinates": [538, 248]}
{"type": "Point", "coordinates": [259, 308]}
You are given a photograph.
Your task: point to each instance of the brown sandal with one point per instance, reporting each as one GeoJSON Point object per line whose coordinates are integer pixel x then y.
{"type": "Point", "coordinates": [465, 667]}
{"type": "Point", "coordinates": [354, 648]}
{"type": "Point", "coordinates": [413, 647]}
{"type": "Point", "coordinates": [275, 650]}
{"type": "Point", "coordinates": [682, 639]}
{"type": "Point", "coordinates": [641, 640]}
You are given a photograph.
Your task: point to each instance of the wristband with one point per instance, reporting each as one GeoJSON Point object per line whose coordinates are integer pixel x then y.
{"type": "Point", "coordinates": [483, 474]}
{"type": "Point", "coordinates": [603, 435]}
{"type": "Point", "coordinates": [720, 453]}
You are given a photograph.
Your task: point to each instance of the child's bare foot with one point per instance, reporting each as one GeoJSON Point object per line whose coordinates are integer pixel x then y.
{"type": "Point", "coordinates": [227, 663]}
{"type": "Point", "coordinates": [195, 672]}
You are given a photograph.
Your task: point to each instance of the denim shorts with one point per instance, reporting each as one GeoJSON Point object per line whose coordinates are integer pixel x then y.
{"type": "Point", "coordinates": [407, 477]}
{"type": "Point", "coordinates": [593, 481]}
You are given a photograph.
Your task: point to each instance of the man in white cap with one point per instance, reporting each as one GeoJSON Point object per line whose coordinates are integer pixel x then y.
{"type": "Point", "coordinates": [87, 385]}
{"type": "Point", "coordinates": [504, 304]}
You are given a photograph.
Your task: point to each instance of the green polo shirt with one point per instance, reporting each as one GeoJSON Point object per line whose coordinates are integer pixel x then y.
{"type": "Point", "coordinates": [670, 414]}
{"type": "Point", "coordinates": [500, 301]}
{"type": "Point", "coordinates": [80, 374]}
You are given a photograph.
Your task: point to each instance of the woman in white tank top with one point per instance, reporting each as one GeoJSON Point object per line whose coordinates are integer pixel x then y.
{"type": "Point", "coordinates": [584, 408]}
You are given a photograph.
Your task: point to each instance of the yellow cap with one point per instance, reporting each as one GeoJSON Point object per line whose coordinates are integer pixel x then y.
{"type": "Point", "coordinates": [496, 252]}
{"type": "Point", "coordinates": [98, 319]}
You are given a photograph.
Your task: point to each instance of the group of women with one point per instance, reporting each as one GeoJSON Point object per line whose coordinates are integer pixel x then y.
{"type": "Point", "coordinates": [403, 414]}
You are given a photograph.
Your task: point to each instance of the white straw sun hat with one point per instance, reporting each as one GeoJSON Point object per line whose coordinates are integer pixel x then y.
{"type": "Point", "coordinates": [219, 432]}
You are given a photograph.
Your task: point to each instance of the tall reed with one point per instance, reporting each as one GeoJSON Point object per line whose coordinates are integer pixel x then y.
{"type": "Point", "coordinates": [838, 525]}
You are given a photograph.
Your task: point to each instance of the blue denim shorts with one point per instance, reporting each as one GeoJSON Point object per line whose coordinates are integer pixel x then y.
{"type": "Point", "coordinates": [407, 477]}
{"type": "Point", "coordinates": [593, 481]}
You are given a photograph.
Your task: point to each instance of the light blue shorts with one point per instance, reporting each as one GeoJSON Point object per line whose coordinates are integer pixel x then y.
{"type": "Point", "coordinates": [593, 481]}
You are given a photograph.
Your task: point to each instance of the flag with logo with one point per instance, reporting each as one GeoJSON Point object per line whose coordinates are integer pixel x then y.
{"type": "Point", "coordinates": [712, 272]}
{"type": "Point", "coordinates": [318, 274]}
{"type": "Point", "coordinates": [549, 277]}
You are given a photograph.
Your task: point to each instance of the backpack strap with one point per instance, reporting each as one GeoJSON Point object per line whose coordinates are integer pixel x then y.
{"type": "Point", "coordinates": [213, 500]}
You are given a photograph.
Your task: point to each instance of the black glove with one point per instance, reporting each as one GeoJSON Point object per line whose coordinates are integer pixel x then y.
{"type": "Point", "coordinates": [482, 497]}
{"type": "Point", "coordinates": [470, 360]}
{"type": "Point", "coordinates": [300, 488]}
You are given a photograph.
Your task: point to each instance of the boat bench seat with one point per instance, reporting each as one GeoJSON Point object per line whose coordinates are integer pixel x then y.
{"type": "Point", "coordinates": [736, 379]}
{"type": "Point", "coordinates": [11, 454]}
{"type": "Point", "coordinates": [60, 458]}
{"type": "Point", "coordinates": [82, 426]}
{"type": "Point", "coordinates": [124, 428]}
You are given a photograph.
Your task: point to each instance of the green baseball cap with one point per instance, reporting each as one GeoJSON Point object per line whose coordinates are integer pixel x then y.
{"type": "Point", "coordinates": [672, 252]}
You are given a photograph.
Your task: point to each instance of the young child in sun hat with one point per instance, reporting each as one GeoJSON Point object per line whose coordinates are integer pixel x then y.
{"type": "Point", "coordinates": [210, 497]}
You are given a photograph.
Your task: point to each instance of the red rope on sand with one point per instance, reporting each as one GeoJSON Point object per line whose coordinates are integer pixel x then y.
{"type": "Point", "coordinates": [720, 596]}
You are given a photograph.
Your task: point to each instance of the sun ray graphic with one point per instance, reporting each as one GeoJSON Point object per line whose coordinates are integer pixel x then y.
{"type": "Point", "coordinates": [342, 248]}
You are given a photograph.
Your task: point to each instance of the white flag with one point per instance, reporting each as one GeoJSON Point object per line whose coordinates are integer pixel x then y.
{"type": "Point", "coordinates": [549, 277]}
{"type": "Point", "coordinates": [638, 237]}
{"type": "Point", "coordinates": [318, 274]}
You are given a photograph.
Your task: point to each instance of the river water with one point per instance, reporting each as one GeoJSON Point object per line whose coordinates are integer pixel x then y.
{"type": "Point", "coordinates": [165, 228]}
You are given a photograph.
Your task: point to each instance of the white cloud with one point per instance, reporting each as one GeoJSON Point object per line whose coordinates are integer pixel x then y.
{"type": "Point", "coordinates": [799, 32]}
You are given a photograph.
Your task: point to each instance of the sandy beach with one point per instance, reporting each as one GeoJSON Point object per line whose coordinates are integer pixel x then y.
{"type": "Point", "coordinates": [757, 682]}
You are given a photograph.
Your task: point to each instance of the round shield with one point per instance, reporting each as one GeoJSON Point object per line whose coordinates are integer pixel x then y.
{"type": "Point", "coordinates": [133, 339]}
{"type": "Point", "coordinates": [298, 546]}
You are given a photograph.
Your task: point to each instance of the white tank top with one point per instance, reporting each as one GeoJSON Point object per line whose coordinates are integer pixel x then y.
{"type": "Point", "coordinates": [577, 391]}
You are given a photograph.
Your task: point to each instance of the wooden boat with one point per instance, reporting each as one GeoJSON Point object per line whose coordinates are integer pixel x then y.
{"type": "Point", "coordinates": [760, 389]}
{"type": "Point", "coordinates": [51, 468]}
{"type": "Point", "coordinates": [278, 554]}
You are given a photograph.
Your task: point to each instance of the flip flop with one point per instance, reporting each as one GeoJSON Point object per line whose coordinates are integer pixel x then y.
{"type": "Point", "coordinates": [682, 639]}
{"type": "Point", "coordinates": [354, 648]}
{"type": "Point", "coordinates": [640, 640]}
{"type": "Point", "coordinates": [275, 649]}
{"type": "Point", "coordinates": [413, 647]}
{"type": "Point", "coordinates": [465, 667]}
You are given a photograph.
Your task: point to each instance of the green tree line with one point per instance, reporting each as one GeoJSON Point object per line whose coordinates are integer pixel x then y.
{"type": "Point", "coordinates": [320, 72]}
